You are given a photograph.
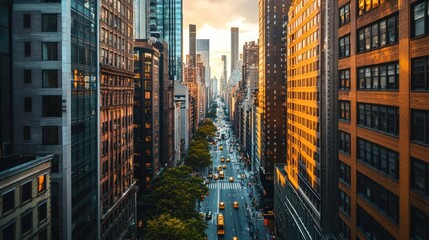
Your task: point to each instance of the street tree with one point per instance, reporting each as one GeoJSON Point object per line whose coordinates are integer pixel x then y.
{"type": "Point", "coordinates": [166, 227]}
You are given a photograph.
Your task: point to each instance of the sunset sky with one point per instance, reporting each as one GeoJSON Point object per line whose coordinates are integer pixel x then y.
{"type": "Point", "coordinates": [214, 19]}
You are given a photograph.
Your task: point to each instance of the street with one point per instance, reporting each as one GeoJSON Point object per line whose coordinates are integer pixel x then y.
{"type": "Point", "coordinates": [244, 222]}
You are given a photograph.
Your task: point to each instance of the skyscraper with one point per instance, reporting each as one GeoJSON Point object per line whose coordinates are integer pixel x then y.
{"type": "Point", "coordinates": [55, 82]}
{"type": "Point", "coordinates": [383, 129]}
{"type": "Point", "coordinates": [271, 96]}
{"type": "Point", "coordinates": [309, 176]}
{"type": "Point", "coordinates": [141, 19]}
{"type": "Point", "coordinates": [203, 49]}
{"type": "Point", "coordinates": [192, 45]}
{"type": "Point", "coordinates": [118, 190]}
{"type": "Point", "coordinates": [234, 48]}
{"type": "Point", "coordinates": [166, 24]}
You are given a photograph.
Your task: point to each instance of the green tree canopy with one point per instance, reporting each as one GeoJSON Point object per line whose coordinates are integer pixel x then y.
{"type": "Point", "coordinates": [167, 227]}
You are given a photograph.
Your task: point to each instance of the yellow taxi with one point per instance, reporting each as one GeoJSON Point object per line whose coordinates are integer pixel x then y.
{"type": "Point", "coordinates": [221, 205]}
{"type": "Point", "coordinates": [224, 166]}
{"type": "Point", "coordinates": [228, 160]}
{"type": "Point", "coordinates": [235, 205]}
{"type": "Point", "coordinates": [231, 179]}
{"type": "Point", "coordinates": [222, 159]}
{"type": "Point", "coordinates": [220, 148]}
{"type": "Point", "coordinates": [216, 177]}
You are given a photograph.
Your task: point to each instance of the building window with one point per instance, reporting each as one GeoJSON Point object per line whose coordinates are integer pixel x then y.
{"type": "Point", "coordinates": [345, 203]}
{"type": "Point", "coordinates": [50, 78]}
{"type": "Point", "coordinates": [420, 19]}
{"type": "Point", "coordinates": [27, 76]}
{"type": "Point", "coordinates": [420, 126]}
{"type": "Point", "coordinates": [27, 132]}
{"type": "Point", "coordinates": [8, 201]}
{"type": "Point", "coordinates": [365, 6]}
{"type": "Point", "coordinates": [344, 79]}
{"type": "Point", "coordinates": [49, 51]}
{"type": "Point", "coordinates": [344, 46]}
{"type": "Point", "coordinates": [379, 77]}
{"type": "Point", "coordinates": [26, 192]}
{"type": "Point", "coordinates": [344, 173]}
{"type": "Point", "coordinates": [377, 35]}
{"type": "Point", "coordinates": [49, 22]}
{"type": "Point", "coordinates": [345, 14]}
{"type": "Point", "coordinates": [26, 223]}
{"type": "Point", "coordinates": [420, 74]}
{"type": "Point", "coordinates": [379, 117]}
{"type": "Point", "coordinates": [27, 49]}
{"type": "Point", "coordinates": [9, 232]}
{"type": "Point", "coordinates": [28, 104]}
{"type": "Point", "coordinates": [369, 227]}
{"type": "Point", "coordinates": [51, 106]}
{"type": "Point", "coordinates": [419, 224]}
{"type": "Point", "coordinates": [344, 110]}
{"type": "Point", "coordinates": [27, 20]}
{"type": "Point", "coordinates": [41, 183]}
{"type": "Point", "coordinates": [344, 145]}
{"type": "Point", "coordinates": [344, 230]}
{"type": "Point", "coordinates": [42, 212]}
{"type": "Point", "coordinates": [379, 157]}
{"type": "Point", "coordinates": [50, 135]}
{"type": "Point", "coordinates": [384, 201]}
{"type": "Point", "coordinates": [420, 176]}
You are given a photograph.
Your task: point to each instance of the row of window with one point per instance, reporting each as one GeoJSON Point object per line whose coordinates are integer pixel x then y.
{"type": "Point", "coordinates": [27, 225]}
{"type": "Point", "coordinates": [378, 157]}
{"type": "Point", "coordinates": [49, 50]}
{"type": "Point", "coordinates": [419, 224]}
{"type": "Point", "coordinates": [49, 77]}
{"type": "Point", "coordinates": [370, 227]}
{"type": "Point", "coordinates": [420, 176]}
{"type": "Point", "coordinates": [383, 200]}
{"type": "Point", "coordinates": [420, 126]}
{"type": "Point", "coordinates": [344, 174]}
{"type": "Point", "coordinates": [383, 76]}
{"type": "Point", "coordinates": [51, 106]}
{"type": "Point", "coordinates": [344, 203]}
{"type": "Point", "coordinates": [365, 6]}
{"type": "Point", "coordinates": [49, 22]}
{"type": "Point", "coordinates": [420, 19]}
{"type": "Point", "coordinates": [378, 34]}
{"type": "Point", "coordinates": [386, 76]}
{"type": "Point", "coordinates": [379, 117]}
{"type": "Point", "coordinates": [8, 199]}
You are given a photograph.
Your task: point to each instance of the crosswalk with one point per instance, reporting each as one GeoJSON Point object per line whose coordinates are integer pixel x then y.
{"type": "Point", "coordinates": [224, 185]}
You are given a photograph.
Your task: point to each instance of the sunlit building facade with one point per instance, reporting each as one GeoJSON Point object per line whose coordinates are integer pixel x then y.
{"type": "Point", "coordinates": [55, 85]}
{"type": "Point", "coordinates": [309, 204]}
{"type": "Point", "coordinates": [271, 95]}
{"type": "Point", "coordinates": [235, 34]}
{"type": "Point", "coordinates": [383, 102]}
{"type": "Point", "coordinates": [117, 185]}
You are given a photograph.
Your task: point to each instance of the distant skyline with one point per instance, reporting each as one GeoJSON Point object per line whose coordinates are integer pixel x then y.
{"type": "Point", "coordinates": [214, 19]}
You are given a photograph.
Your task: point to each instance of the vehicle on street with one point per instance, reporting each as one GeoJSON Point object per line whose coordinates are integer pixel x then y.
{"type": "Point", "coordinates": [222, 159]}
{"type": "Point", "coordinates": [224, 166]}
{"type": "Point", "coordinates": [221, 147]}
{"type": "Point", "coordinates": [220, 224]}
{"type": "Point", "coordinates": [235, 204]}
{"type": "Point", "coordinates": [221, 205]}
{"type": "Point", "coordinates": [216, 177]}
{"type": "Point", "coordinates": [221, 175]}
{"type": "Point", "coordinates": [228, 160]}
{"type": "Point", "coordinates": [231, 179]}
{"type": "Point", "coordinates": [209, 215]}
{"type": "Point", "coordinates": [219, 168]}
{"type": "Point", "coordinates": [235, 238]}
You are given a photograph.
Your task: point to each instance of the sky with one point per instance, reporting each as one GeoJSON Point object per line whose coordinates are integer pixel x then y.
{"type": "Point", "coordinates": [214, 19]}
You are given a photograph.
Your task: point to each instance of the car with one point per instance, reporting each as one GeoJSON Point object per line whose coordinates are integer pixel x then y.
{"type": "Point", "coordinates": [219, 168]}
{"type": "Point", "coordinates": [221, 205]}
{"type": "Point", "coordinates": [235, 204]}
{"type": "Point", "coordinates": [216, 177]}
{"type": "Point", "coordinates": [209, 215]}
{"type": "Point", "coordinates": [228, 160]}
{"type": "Point", "coordinates": [221, 147]}
{"type": "Point", "coordinates": [224, 166]}
{"type": "Point", "coordinates": [231, 179]}
{"type": "Point", "coordinates": [235, 238]}
{"type": "Point", "coordinates": [222, 159]}
{"type": "Point", "coordinates": [210, 175]}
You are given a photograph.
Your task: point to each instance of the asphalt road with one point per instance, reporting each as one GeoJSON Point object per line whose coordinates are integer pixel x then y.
{"type": "Point", "coordinates": [222, 190]}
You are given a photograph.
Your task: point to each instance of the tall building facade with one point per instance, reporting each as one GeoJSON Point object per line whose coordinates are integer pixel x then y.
{"type": "Point", "coordinates": [146, 114]}
{"type": "Point", "coordinates": [55, 83]}
{"type": "Point", "coordinates": [271, 95]}
{"type": "Point", "coordinates": [166, 24]}
{"type": "Point", "coordinates": [141, 16]}
{"type": "Point", "coordinates": [250, 59]}
{"type": "Point", "coordinates": [118, 190]}
{"type": "Point", "coordinates": [224, 77]}
{"type": "Point", "coordinates": [203, 49]}
{"type": "Point", "coordinates": [235, 48]}
{"type": "Point", "coordinates": [383, 76]}
{"type": "Point", "coordinates": [192, 45]}
{"type": "Point", "coordinates": [309, 204]}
